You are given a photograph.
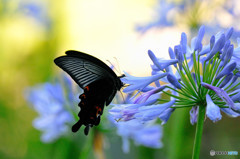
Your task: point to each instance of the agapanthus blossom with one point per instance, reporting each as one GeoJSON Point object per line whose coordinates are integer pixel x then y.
{"type": "Point", "coordinates": [197, 76]}
{"type": "Point", "coordinates": [172, 13]}
{"type": "Point", "coordinates": [54, 104]}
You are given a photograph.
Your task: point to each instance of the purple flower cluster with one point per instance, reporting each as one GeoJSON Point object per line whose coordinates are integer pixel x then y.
{"type": "Point", "coordinates": [170, 13]}
{"type": "Point", "coordinates": [39, 11]}
{"type": "Point", "coordinates": [54, 105]}
{"type": "Point", "coordinates": [194, 76]}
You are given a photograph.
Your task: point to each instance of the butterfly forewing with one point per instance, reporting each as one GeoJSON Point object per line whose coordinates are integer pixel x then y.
{"type": "Point", "coordinates": [82, 71]}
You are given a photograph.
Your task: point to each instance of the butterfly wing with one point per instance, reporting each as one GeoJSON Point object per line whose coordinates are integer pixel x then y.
{"type": "Point", "coordinates": [84, 69]}
{"type": "Point", "coordinates": [92, 103]}
{"type": "Point", "coordinates": [99, 82]}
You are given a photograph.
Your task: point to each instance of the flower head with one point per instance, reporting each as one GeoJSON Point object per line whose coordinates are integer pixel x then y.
{"type": "Point", "coordinates": [206, 76]}
{"type": "Point", "coordinates": [52, 105]}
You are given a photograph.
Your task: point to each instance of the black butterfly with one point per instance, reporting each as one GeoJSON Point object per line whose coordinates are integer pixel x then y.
{"type": "Point", "coordinates": [99, 82]}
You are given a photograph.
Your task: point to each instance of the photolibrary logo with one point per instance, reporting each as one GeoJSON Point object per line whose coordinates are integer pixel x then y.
{"type": "Point", "coordinates": [213, 153]}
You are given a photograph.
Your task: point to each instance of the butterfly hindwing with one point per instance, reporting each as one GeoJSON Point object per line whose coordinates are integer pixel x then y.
{"type": "Point", "coordinates": [92, 103]}
{"type": "Point", "coordinates": [99, 82]}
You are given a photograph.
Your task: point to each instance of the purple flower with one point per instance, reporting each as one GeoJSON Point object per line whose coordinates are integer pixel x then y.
{"type": "Point", "coordinates": [162, 9]}
{"type": "Point", "coordinates": [225, 48]}
{"type": "Point", "coordinates": [173, 80]}
{"type": "Point", "coordinates": [227, 69]}
{"type": "Point", "coordinates": [183, 42]}
{"type": "Point", "coordinates": [237, 107]}
{"type": "Point", "coordinates": [229, 54]}
{"type": "Point", "coordinates": [147, 113]}
{"type": "Point", "coordinates": [38, 11]}
{"type": "Point", "coordinates": [49, 101]}
{"type": "Point", "coordinates": [165, 115]}
{"type": "Point", "coordinates": [124, 112]}
{"type": "Point", "coordinates": [198, 44]}
{"type": "Point", "coordinates": [212, 42]}
{"type": "Point", "coordinates": [230, 112]}
{"type": "Point", "coordinates": [135, 121]}
{"type": "Point", "coordinates": [221, 93]}
{"type": "Point", "coordinates": [193, 115]}
{"type": "Point", "coordinates": [142, 134]}
{"type": "Point", "coordinates": [217, 47]}
{"type": "Point", "coordinates": [234, 79]}
{"type": "Point", "coordinates": [229, 33]}
{"type": "Point", "coordinates": [143, 97]}
{"type": "Point", "coordinates": [171, 53]}
{"type": "Point", "coordinates": [139, 82]}
{"type": "Point", "coordinates": [161, 64]}
{"type": "Point", "coordinates": [179, 55]}
{"type": "Point", "coordinates": [213, 111]}
{"type": "Point", "coordinates": [236, 52]}
{"type": "Point", "coordinates": [196, 84]}
{"type": "Point", "coordinates": [236, 97]}
{"type": "Point", "coordinates": [149, 136]}
{"type": "Point", "coordinates": [226, 80]}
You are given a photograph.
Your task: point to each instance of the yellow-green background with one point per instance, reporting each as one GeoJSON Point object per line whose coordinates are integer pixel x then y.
{"type": "Point", "coordinates": [103, 28]}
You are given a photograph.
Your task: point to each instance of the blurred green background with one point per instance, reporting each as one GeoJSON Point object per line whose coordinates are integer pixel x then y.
{"type": "Point", "coordinates": [34, 32]}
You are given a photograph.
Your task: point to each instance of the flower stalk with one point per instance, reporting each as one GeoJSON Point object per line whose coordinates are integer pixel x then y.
{"type": "Point", "coordinates": [199, 131]}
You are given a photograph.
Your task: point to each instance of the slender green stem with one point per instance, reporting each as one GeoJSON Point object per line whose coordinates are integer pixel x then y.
{"type": "Point", "coordinates": [198, 134]}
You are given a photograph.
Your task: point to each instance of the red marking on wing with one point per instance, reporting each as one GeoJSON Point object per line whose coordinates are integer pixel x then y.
{"type": "Point", "coordinates": [86, 88]}
{"type": "Point", "coordinates": [83, 96]}
{"type": "Point", "coordinates": [99, 110]}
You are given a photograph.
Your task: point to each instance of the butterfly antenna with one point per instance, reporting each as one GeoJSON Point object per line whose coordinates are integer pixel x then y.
{"type": "Point", "coordinates": [112, 66]}
{"type": "Point", "coordinates": [118, 66]}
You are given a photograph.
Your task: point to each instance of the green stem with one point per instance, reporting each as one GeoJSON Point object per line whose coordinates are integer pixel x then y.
{"type": "Point", "coordinates": [199, 130]}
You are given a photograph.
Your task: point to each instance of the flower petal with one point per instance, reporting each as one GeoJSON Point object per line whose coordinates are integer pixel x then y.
{"type": "Point", "coordinates": [199, 38]}
{"type": "Point", "coordinates": [217, 47]}
{"type": "Point", "coordinates": [165, 115]}
{"type": "Point", "coordinates": [173, 80]}
{"type": "Point", "coordinates": [228, 56]}
{"type": "Point", "coordinates": [226, 80]}
{"type": "Point", "coordinates": [151, 112]}
{"type": "Point", "coordinates": [212, 41]}
{"type": "Point", "coordinates": [183, 42]}
{"type": "Point", "coordinates": [150, 137]}
{"type": "Point", "coordinates": [193, 115]}
{"type": "Point", "coordinates": [236, 97]}
{"type": "Point", "coordinates": [154, 59]}
{"type": "Point", "coordinates": [230, 112]}
{"type": "Point", "coordinates": [226, 70]}
{"type": "Point", "coordinates": [225, 48]}
{"type": "Point", "coordinates": [229, 33]}
{"type": "Point", "coordinates": [221, 93]}
{"type": "Point", "coordinates": [171, 53]}
{"type": "Point", "coordinates": [138, 83]}
{"type": "Point", "coordinates": [213, 111]}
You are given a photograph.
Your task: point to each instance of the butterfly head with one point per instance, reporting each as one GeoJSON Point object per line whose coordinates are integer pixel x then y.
{"type": "Point", "coordinates": [120, 84]}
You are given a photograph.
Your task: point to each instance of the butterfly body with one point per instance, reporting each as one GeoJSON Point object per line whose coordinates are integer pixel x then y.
{"type": "Point", "coordinates": [99, 82]}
